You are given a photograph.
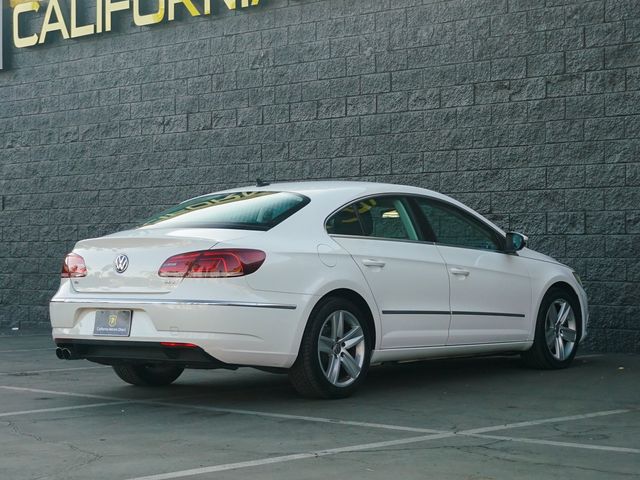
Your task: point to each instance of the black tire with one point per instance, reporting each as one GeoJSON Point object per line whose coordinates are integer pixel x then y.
{"type": "Point", "coordinates": [148, 375]}
{"type": "Point", "coordinates": [543, 354]}
{"type": "Point", "coordinates": [308, 372]}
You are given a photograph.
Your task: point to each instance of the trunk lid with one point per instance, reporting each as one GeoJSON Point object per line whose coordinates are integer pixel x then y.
{"type": "Point", "coordinates": [146, 249]}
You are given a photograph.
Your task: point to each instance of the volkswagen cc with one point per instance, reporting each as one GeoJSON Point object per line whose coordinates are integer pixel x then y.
{"type": "Point", "coordinates": [319, 280]}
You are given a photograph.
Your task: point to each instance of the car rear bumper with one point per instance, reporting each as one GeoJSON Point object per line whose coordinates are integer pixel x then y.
{"type": "Point", "coordinates": [255, 332]}
{"type": "Point", "coordinates": [109, 352]}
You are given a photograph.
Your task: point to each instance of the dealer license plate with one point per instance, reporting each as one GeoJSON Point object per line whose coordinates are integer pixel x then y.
{"type": "Point", "coordinates": [112, 323]}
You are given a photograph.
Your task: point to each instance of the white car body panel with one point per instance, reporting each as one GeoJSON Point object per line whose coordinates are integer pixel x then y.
{"type": "Point", "coordinates": [544, 274]}
{"type": "Point", "coordinates": [259, 319]}
{"type": "Point", "coordinates": [245, 330]}
{"type": "Point", "coordinates": [411, 286]}
{"type": "Point", "coordinates": [490, 296]}
{"type": "Point", "coordinates": [149, 246]}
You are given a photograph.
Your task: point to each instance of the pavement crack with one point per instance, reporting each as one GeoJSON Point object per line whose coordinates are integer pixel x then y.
{"type": "Point", "coordinates": [92, 456]}
{"type": "Point", "coordinates": [499, 454]}
{"type": "Point", "coordinates": [14, 428]}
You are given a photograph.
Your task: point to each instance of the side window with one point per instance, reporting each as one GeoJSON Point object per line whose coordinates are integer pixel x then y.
{"type": "Point", "coordinates": [452, 226]}
{"type": "Point", "coordinates": [345, 222]}
{"type": "Point", "coordinates": [381, 217]}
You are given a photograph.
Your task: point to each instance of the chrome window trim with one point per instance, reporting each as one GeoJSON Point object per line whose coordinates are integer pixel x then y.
{"type": "Point", "coordinates": [474, 215]}
{"type": "Point", "coordinates": [384, 239]}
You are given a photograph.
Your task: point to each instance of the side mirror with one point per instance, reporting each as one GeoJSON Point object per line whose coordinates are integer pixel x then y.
{"type": "Point", "coordinates": [515, 241]}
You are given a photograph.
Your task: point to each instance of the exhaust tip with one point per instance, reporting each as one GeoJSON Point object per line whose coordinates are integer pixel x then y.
{"type": "Point", "coordinates": [64, 353]}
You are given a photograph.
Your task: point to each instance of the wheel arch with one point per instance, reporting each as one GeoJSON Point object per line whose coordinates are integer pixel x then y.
{"type": "Point", "coordinates": [365, 302]}
{"type": "Point", "coordinates": [562, 284]}
{"type": "Point", "coordinates": [359, 300]}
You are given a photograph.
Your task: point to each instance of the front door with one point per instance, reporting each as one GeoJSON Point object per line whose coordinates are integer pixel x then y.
{"type": "Point", "coordinates": [490, 290]}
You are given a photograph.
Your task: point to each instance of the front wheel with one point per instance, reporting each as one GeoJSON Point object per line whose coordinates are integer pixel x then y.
{"type": "Point", "coordinates": [335, 351]}
{"type": "Point", "coordinates": [558, 331]}
{"type": "Point", "coordinates": [148, 375]}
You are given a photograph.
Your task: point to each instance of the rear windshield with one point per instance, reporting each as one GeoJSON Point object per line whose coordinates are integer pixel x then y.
{"type": "Point", "coordinates": [240, 210]}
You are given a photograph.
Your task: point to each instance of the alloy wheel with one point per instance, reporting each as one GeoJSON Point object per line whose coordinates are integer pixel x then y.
{"type": "Point", "coordinates": [341, 348]}
{"type": "Point", "coordinates": [560, 329]}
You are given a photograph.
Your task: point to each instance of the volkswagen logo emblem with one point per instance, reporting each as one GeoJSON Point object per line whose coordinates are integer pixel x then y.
{"type": "Point", "coordinates": [121, 263]}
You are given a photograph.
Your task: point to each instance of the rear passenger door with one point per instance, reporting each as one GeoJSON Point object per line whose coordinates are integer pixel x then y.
{"type": "Point", "coordinates": [406, 274]}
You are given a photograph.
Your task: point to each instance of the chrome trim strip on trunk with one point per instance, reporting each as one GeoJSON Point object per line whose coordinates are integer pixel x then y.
{"type": "Point", "coordinates": [153, 301]}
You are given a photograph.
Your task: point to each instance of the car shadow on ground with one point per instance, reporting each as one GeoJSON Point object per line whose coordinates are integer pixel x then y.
{"type": "Point", "coordinates": [251, 387]}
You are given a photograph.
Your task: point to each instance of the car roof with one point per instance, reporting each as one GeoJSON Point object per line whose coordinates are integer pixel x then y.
{"type": "Point", "coordinates": [339, 192]}
{"type": "Point", "coordinates": [331, 187]}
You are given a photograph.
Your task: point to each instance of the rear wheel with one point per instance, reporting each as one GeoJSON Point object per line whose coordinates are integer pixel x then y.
{"type": "Point", "coordinates": [148, 375]}
{"type": "Point", "coordinates": [335, 351]}
{"type": "Point", "coordinates": [557, 331]}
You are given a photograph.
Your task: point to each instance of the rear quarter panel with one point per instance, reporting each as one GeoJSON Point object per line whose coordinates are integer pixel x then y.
{"type": "Point", "coordinates": [311, 265]}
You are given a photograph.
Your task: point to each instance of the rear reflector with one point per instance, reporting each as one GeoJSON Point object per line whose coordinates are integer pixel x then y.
{"type": "Point", "coordinates": [233, 262]}
{"type": "Point", "coordinates": [73, 266]}
{"type": "Point", "coordinates": [178, 345]}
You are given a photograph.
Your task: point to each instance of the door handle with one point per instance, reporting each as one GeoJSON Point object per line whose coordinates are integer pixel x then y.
{"type": "Point", "coordinates": [459, 271]}
{"type": "Point", "coordinates": [369, 262]}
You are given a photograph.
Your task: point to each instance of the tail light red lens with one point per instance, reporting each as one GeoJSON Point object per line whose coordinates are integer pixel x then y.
{"type": "Point", "coordinates": [73, 266]}
{"type": "Point", "coordinates": [234, 262]}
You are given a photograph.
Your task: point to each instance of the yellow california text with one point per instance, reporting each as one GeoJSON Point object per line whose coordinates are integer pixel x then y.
{"type": "Point", "coordinates": [67, 22]}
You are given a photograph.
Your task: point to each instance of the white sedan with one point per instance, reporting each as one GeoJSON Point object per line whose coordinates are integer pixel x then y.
{"type": "Point", "coordinates": [317, 279]}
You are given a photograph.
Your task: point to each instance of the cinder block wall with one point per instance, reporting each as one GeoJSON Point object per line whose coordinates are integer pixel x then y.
{"type": "Point", "coordinates": [528, 110]}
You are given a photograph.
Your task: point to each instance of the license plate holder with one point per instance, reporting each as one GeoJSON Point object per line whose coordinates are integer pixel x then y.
{"type": "Point", "coordinates": [112, 323]}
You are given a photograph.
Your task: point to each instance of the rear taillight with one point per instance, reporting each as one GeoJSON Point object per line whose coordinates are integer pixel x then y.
{"type": "Point", "coordinates": [233, 262]}
{"type": "Point", "coordinates": [73, 266]}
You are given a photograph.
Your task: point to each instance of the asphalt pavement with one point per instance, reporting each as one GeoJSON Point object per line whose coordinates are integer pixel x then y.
{"type": "Point", "coordinates": [473, 419]}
